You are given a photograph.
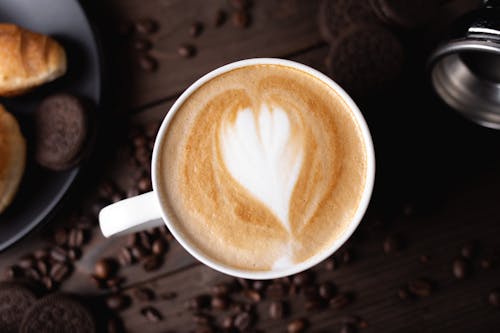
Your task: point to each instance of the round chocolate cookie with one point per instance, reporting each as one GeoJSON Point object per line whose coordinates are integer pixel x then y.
{"type": "Point", "coordinates": [57, 313]}
{"type": "Point", "coordinates": [403, 13]}
{"type": "Point", "coordinates": [62, 126]}
{"type": "Point", "coordinates": [337, 15]}
{"type": "Point", "coordinates": [15, 299]}
{"type": "Point", "coordinates": [364, 58]}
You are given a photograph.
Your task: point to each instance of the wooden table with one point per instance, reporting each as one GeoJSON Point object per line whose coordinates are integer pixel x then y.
{"type": "Point", "coordinates": [437, 187]}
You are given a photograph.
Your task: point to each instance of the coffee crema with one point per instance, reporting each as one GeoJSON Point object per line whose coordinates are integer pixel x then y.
{"type": "Point", "coordinates": [262, 167]}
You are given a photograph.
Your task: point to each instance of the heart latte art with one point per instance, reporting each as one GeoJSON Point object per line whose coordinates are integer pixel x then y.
{"type": "Point", "coordinates": [262, 167]}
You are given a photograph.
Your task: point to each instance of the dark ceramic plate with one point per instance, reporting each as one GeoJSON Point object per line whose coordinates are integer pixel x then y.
{"type": "Point", "coordinates": [41, 190]}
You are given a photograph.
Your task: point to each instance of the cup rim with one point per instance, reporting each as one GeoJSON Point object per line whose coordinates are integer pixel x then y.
{"type": "Point", "coordinates": [317, 258]}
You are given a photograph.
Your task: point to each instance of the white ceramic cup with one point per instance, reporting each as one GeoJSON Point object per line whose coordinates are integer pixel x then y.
{"type": "Point", "coordinates": [145, 211]}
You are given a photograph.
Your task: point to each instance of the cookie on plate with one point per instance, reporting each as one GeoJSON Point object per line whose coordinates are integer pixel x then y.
{"type": "Point", "coordinates": [15, 299]}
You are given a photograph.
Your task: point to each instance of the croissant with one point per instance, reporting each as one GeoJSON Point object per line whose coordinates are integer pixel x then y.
{"type": "Point", "coordinates": [27, 60]}
{"type": "Point", "coordinates": [12, 157]}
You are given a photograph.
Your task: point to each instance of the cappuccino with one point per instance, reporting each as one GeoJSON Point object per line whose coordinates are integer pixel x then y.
{"type": "Point", "coordinates": [262, 167]}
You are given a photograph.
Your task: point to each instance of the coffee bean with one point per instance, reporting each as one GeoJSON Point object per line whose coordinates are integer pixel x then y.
{"type": "Point", "coordinates": [117, 302]}
{"type": "Point", "coordinates": [420, 287]}
{"type": "Point", "coordinates": [186, 51]}
{"type": "Point", "coordinates": [59, 272]}
{"type": "Point", "coordinates": [202, 319]}
{"type": "Point", "coordinates": [252, 295]}
{"type": "Point", "coordinates": [33, 273]}
{"type": "Point", "coordinates": [221, 289]}
{"type": "Point", "coordinates": [199, 302]}
{"type": "Point", "coordinates": [41, 254]}
{"type": "Point", "coordinates": [105, 268]}
{"type": "Point", "coordinates": [468, 250]}
{"type": "Point", "coordinates": [42, 267]}
{"type": "Point", "coordinates": [494, 298]}
{"type": "Point", "coordinates": [138, 253]}
{"type": "Point", "coordinates": [196, 29]}
{"type": "Point", "coordinates": [219, 18]}
{"type": "Point", "coordinates": [227, 323]}
{"type": "Point", "coordinates": [297, 325]}
{"type": "Point", "coordinates": [58, 254]}
{"type": "Point", "coordinates": [75, 238]}
{"type": "Point", "coordinates": [98, 282]}
{"type": "Point", "coordinates": [148, 64]}
{"type": "Point", "coordinates": [144, 184]}
{"type": "Point", "coordinates": [276, 290]}
{"type": "Point", "coordinates": [326, 290]}
{"type": "Point", "coordinates": [152, 314]}
{"type": "Point", "coordinates": [403, 293]}
{"type": "Point", "coordinates": [392, 244]}
{"type": "Point", "coordinates": [340, 301]}
{"type": "Point", "coordinates": [241, 19]}
{"type": "Point", "coordinates": [330, 264]}
{"type": "Point", "coordinates": [74, 254]}
{"type": "Point", "coordinates": [146, 26]}
{"type": "Point", "coordinates": [302, 279]}
{"type": "Point", "coordinates": [485, 263]}
{"type": "Point", "coordinates": [243, 321]}
{"type": "Point", "coordinates": [60, 236]}
{"type": "Point", "coordinates": [145, 241]}
{"type": "Point", "coordinates": [141, 44]}
{"type": "Point", "coordinates": [424, 259]}
{"type": "Point", "coordinates": [347, 328]}
{"type": "Point", "coordinates": [243, 283]}
{"type": "Point", "coordinates": [12, 272]}
{"type": "Point", "coordinates": [26, 262]}
{"type": "Point", "coordinates": [143, 294]}
{"type": "Point", "coordinates": [219, 303]}
{"type": "Point", "coordinates": [276, 310]}
{"type": "Point", "coordinates": [347, 256]}
{"type": "Point", "coordinates": [168, 295]}
{"type": "Point", "coordinates": [460, 268]}
{"type": "Point", "coordinates": [258, 285]}
{"type": "Point", "coordinates": [125, 257]}
{"type": "Point", "coordinates": [48, 283]}
{"type": "Point", "coordinates": [115, 283]}
{"type": "Point", "coordinates": [151, 263]}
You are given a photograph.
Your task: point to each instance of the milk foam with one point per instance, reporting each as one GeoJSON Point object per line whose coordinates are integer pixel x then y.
{"type": "Point", "coordinates": [259, 153]}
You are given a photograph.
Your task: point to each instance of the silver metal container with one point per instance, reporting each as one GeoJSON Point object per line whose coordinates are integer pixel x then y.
{"type": "Point", "coordinates": [465, 70]}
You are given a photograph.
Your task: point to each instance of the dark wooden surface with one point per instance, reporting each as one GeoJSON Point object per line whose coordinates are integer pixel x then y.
{"type": "Point", "coordinates": [438, 177]}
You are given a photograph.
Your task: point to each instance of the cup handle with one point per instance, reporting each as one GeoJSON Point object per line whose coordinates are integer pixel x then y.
{"type": "Point", "coordinates": [131, 215]}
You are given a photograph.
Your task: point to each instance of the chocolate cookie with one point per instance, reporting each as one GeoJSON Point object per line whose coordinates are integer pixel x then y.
{"type": "Point", "coordinates": [403, 13]}
{"type": "Point", "coordinates": [337, 15]}
{"type": "Point", "coordinates": [57, 313]}
{"type": "Point", "coordinates": [15, 299]}
{"type": "Point", "coordinates": [62, 128]}
{"type": "Point", "coordinates": [364, 58]}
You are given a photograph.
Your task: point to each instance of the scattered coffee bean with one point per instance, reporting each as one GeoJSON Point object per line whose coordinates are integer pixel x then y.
{"type": "Point", "coordinates": [143, 294]}
{"type": "Point", "coordinates": [26, 262]}
{"type": "Point", "coordinates": [243, 321]}
{"type": "Point", "coordinates": [74, 254]}
{"type": "Point", "coordinates": [33, 274]}
{"type": "Point", "coordinates": [258, 285]}
{"type": "Point", "coordinates": [330, 264]}
{"type": "Point", "coordinates": [347, 328]}
{"type": "Point", "coordinates": [227, 323]}
{"type": "Point", "coordinates": [221, 289]}
{"type": "Point", "coordinates": [145, 241]}
{"type": "Point", "coordinates": [392, 244]}
{"type": "Point", "coordinates": [424, 259]}
{"type": "Point", "coordinates": [460, 268]}
{"type": "Point", "coordinates": [42, 267]}
{"type": "Point", "coordinates": [276, 290]}
{"type": "Point", "coordinates": [494, 298]}
{"type": "Point", "coordinates": [241, 19]}
{"type": "Point", "coordinates": [219, 18]}
{"type": "Point", "coordinates": [403, 293]}
{"type": "Point", "coordinates": [186, 51]}
{"type": "Point", "coordinates": [347, 256]}
{"type": "Point", "coordinates": [148, 64]}
{"type": "Point", "coordinates": [58, 254]}
{"type": "Point", "coordinates": [41, 254]}
{"type": "Point", "coordinates": [105, 268]}
{"type": "Point", "coordinates": [468, 250]}
{"type": "Point", "coordinates": [59, 271]}
{"type": "Point", "coordinates": [340, 301]}
{"type": "Point", "coordinates": [144, 184]}
{"type": "Point", "coordinates": [48, 283]}
{"type": "Point", "coordinates": [169, 295]}
{"type": "Point", "coordinates": [302, 279]}
{"type": "Point", "coordinates": [420, 287]}
{"type": "Point", "coordinates": [326, 290]}
{"type": "Point", "coordinates": [297, 325]}
{"type": "Point", "coordinates": [276, 310]}
{"type": "Point", "coordinates": [219, 303]}
{"type": "Point", "coordinates": [196, 29]}
{"type": "Point", "coordinates": [141, 44]}
{"type": "Point", "coordinates": [146, 26]}
{"type": "Point", "coordinates": [485, 263]}
{"type": "Point", "coordinates": [117, 302]}
{"type": "Point", "coordinates": [138, 253]}
{"type": "Point", "coordinates": [75, 238]}
{"type": "Point", "coordinates": [252, 295]}
{"type": "Point", "coordinates": [60, 236]}
{"type": "Point", "coordinates": [125, 257]}
{"type": "Point", "coordinates": [151, 263]}
{"type": "Point", "coordinates": [152, 314]}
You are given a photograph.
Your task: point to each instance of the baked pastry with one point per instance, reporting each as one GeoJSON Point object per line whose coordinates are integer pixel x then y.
{"type": "Point", "coordinates": [12, 157]}
{"type": "Point", "coordinates": [27, 60]}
